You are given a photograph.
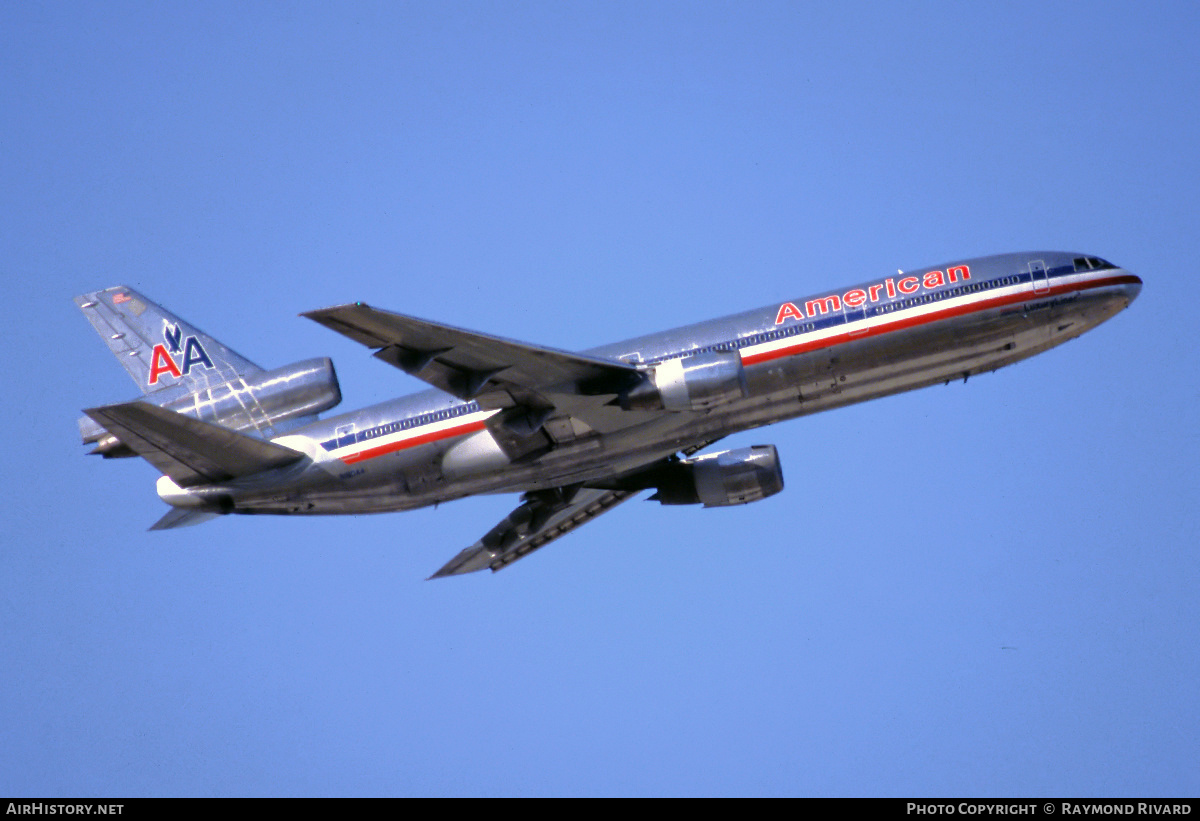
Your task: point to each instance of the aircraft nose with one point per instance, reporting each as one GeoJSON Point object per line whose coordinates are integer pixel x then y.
{"type": "Point", "coordinates": [1133, 286]}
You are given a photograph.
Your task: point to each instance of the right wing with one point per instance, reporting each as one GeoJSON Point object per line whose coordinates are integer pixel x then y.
{"type": "Point", "coordinates": [542, 517]}
{"type": "Point", "coordinates": [545, 515]}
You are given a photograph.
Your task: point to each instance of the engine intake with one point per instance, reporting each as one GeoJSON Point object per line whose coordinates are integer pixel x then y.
{"type": "Point", "coordinates": [731, 477]}
{"type": "Point", "coordinates": [698, 382]}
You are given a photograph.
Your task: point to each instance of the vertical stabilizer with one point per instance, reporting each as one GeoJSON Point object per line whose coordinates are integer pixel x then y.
{"type": "Point", "coordinates": [158, 349]}
{"type": "Point", "coordinates": [179, 367]}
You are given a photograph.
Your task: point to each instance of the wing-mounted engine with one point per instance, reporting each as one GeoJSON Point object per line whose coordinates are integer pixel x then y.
{"type": "Point", "coordinates": [694, 383]}
{"type": "Point", "coordinates": [730, 477]}
{"type": "Point", "coordinates": [256, 402]}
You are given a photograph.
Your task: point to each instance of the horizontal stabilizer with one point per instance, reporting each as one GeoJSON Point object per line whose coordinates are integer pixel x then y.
{"type": "Point", "coordinates": [187, 450]}
{"type": "Point", "coordinates": [183, 517]}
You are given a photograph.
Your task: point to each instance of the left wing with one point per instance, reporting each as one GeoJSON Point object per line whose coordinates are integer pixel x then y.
{"type": "Point", "coordinates": [532, 380]}
{"type": "Point", "coordinates": [541, 518]}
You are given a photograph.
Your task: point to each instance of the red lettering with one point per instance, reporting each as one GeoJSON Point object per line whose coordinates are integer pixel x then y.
{"type": "Point", "coordinates": [959, 270]}
{"type": "Point", "coordinates": [874, 289]}
{"type": "Point", "coordinates": [891, 288]}
{"type": "Point", "coordinates": [786, 310]}
{"type": "Point", "coordinates": [916, 283]}
{"type": "Point", "coordinates": [829, 303]}
{"type": "Point", "coordinates": [160, 363]}
{"type": "Point", "coordinates": [854, 298]}
{"type": "Point", "coordinates": [933, 279]}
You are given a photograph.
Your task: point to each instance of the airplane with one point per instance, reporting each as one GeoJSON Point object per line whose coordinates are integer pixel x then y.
{"type": "Point", "coordinates": [576, 434]}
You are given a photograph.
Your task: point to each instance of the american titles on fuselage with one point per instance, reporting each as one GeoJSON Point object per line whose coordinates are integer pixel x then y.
{"type": "Point", "coordinates": [857, 297]}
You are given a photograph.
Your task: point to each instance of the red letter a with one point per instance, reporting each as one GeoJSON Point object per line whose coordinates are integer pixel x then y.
{"type": "Point", "coordinates": [160, 363]}
{"type": "Point", "coordinates": [788, 309]}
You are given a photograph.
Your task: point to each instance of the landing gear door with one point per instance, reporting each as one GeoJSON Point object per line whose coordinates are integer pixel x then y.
{"type": "Point", "coordinates": [1037, 271]}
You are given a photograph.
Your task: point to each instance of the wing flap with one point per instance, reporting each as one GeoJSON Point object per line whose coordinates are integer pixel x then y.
{"type": "Point", "coordinates": [541, 518]}
{"type": "Point", "coordinates": [187, 450]}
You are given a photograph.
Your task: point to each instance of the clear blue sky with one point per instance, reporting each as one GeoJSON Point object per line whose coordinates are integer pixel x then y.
{"type": "Point", "coordinates": [981, 590]}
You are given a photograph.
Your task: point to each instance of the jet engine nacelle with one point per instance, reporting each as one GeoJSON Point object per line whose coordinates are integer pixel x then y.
{"type": "Point", "coordinates": [698, 382]}
{"type": "Point", "coordinates": [287, 393]}
{"type": "Point", "coordinates": [731, 477]}
{"type": "Point", "coordinates": [270, 398]}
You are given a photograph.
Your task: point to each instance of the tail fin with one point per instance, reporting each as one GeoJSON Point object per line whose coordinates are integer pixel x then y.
{"type": "Point", "coordinates": [157, 348]}
{"type": "Point", "coordinates": [179, 367]}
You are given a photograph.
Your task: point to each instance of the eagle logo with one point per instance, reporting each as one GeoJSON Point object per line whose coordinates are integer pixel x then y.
{"type": "Point", "coordinates": [178, 356]}
{"type": "Point", "coordinates": [173, 336]}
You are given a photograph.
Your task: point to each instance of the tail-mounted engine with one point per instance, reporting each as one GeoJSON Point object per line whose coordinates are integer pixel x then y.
{"type": "Point", "coordinates": [731, 477]}
{"type": "Point", "coordinates": [287, 393]}
{"type": "Point", "coordinates": [698, 382]}
{"type": "Point", "coordinates": [265, 400]}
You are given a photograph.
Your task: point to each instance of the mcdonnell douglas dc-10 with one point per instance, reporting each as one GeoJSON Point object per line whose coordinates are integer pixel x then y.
{"type": "Point", "coordinates": [575, 433]}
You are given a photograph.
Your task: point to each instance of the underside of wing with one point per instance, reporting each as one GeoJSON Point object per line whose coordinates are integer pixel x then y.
{"type": "Point", "coordinates": [535, 382]}
{"type": "Point", "coordinates": [542, 517]}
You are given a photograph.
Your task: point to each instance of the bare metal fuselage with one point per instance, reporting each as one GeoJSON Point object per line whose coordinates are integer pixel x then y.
{"type": "Point", "coordinates": [890, 335]}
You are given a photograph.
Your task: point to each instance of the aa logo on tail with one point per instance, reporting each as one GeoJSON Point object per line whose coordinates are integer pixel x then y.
{"type": "Point", "coordinates": [178, 356]}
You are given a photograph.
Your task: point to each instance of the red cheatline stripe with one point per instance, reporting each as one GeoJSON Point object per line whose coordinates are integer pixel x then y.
{"type": "Point", "coordinates": [936, 316]}
{"type": "Point", "coordinates": [425, 438]}
{"type": "Point", "coordinates": [791, 350]}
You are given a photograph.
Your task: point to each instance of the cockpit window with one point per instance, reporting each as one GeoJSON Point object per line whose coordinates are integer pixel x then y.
{"type": "Point", "coordinates": [1091, 264]}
